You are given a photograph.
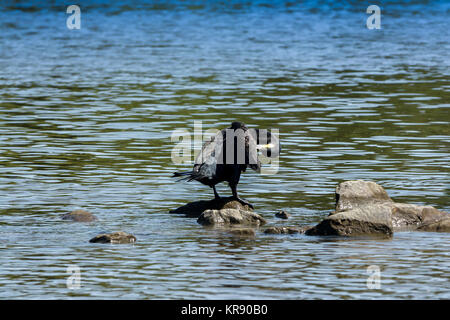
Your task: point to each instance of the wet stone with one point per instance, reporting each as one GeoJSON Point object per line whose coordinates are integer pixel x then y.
{"type": "Point", "coordinates": [79, 216]}
{"type": "Point", "coordinates": [115, 237]}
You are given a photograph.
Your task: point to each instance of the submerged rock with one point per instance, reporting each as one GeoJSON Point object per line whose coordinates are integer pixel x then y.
{"type": "Point", "coordinates": [230, 217]}
{"type": "Point", "coordinates": [364, 208]}
{"type": "Point", "coordinates": [282, 215]}
{"type": "Point", "coordinates": [79, 216]}
{"type": "Point", "coordinates": [282, 230]}
{"type": "Point", "coordinates": [115, 237]}
{"type": "Point", "coordinates": [246, 232]}
{"type": "Point", "coordinates": [195, 209]}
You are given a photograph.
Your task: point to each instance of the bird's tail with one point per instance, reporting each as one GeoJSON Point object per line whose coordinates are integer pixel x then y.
{"type": "Point", "coordinates": [185, 175]}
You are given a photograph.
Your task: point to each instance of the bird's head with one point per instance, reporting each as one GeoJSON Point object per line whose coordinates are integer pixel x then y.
{"type": "Point", "coordinates": [238, 125]}
{"type": "Point", "coordinates": [267, 143]}
{"type": "Point", "coordinates": [265, 147]}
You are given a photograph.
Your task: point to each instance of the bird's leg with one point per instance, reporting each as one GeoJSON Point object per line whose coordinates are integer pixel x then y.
{"type": "Point", "coordinates": [236, 197]}
{"type": "Point", "coordinates": [216, 195]}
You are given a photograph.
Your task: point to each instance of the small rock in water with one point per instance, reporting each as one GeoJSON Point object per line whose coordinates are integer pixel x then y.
{"type": "Point", "coordinates": [79, 216]}
{"type": "Point", "coordinates": [230, 217]}
{"type": "Point", "coordinates": [243, 232]}
{"type": "Point", "coordinates": [115, 237]}
{"type": "Point", "coordinates": [196, 208]}
{"type": "Point", "coordinates": [281, 230]}
{"type": "Point", "coordinates": [282, 215]}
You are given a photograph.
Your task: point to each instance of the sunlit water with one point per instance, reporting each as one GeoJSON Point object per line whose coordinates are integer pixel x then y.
{"type": "Point", "coordinates": [86, 118]}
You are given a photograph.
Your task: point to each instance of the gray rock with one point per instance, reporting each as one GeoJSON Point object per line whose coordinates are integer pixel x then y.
{"type": "Point", "coordinates": [282, 215]}
{"type": "Point", "coordinates": [79, 216]}
{"type": "Point", "coordinates": [195, 209]}
{"type": "Point", "coordinates": [405, 217]}
{"type": "Point", "coordinates": [230, 217]}
{"type": "Point", "coordinates": [357, 193]}
{"type": "Point", "coordinates": [353, 194]}
{"type": "Point", "coordinates": [437, 226]}
{"type": "Point", "coordinates": [374, 220]}
{"type": "Point", "coordinates": [412, 217]}
{"type": "Point", "coordinates": [115, 237]}
{"type": "Point", "coordinates": [364, 208]}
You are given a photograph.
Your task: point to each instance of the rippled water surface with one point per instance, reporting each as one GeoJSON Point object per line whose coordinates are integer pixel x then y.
{"type": "Point", "coordinates": [86, 118]}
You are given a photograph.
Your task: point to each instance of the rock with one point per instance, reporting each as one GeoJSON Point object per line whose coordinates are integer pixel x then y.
{"type": "Point", "coordinates": [405, 217]}
{"type": "Point", "coordinates": [282, 215]}
{"type": "Point", "coordinates": [412, 217]}
{"type": "Point", "coordinates": [282, 230]}
{"type": "Point", "coordinates": [438, 226]}
{"type": "Point", "coordinates": [353, 194]}
{"type": "Point", "coordinates": [115, 237]}
{"type": "Point", "coordinates": [248, 232]}
{"type": "Point", "coordinates": [230, 217]}
{"type": "Point", "coordinates": [363, 194]}
{"type": "Point", "coordinates": [287, 230]}
{"type": "Point", "coordinates": [374, 219]}
{"type": "Point", "coordinates": [195, 209]}
{"type": "Point", "coordinates": [79, 216]}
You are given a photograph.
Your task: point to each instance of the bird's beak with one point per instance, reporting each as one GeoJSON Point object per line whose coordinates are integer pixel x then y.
{"type": "Point", "coordinates": [265, 146]}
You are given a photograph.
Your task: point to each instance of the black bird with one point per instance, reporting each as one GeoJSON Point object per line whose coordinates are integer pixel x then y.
{"type": "Point", "coordinates": [229, 153]}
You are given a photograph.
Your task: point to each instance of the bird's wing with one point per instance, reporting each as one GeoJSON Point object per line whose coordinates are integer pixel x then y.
{"type": "Point", "coordinates": [251, 151]}
{"type": "Point", "coordinates": [206, 161]}
{"type": "Point", "coordinates": [210, 149]}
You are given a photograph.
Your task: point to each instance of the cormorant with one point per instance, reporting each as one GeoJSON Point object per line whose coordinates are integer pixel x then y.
{"type": "Point", "coordinates": [228, 154]}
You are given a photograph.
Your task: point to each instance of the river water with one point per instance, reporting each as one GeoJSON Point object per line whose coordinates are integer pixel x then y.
{"type": "Point", "coordinates": [86, 118]}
